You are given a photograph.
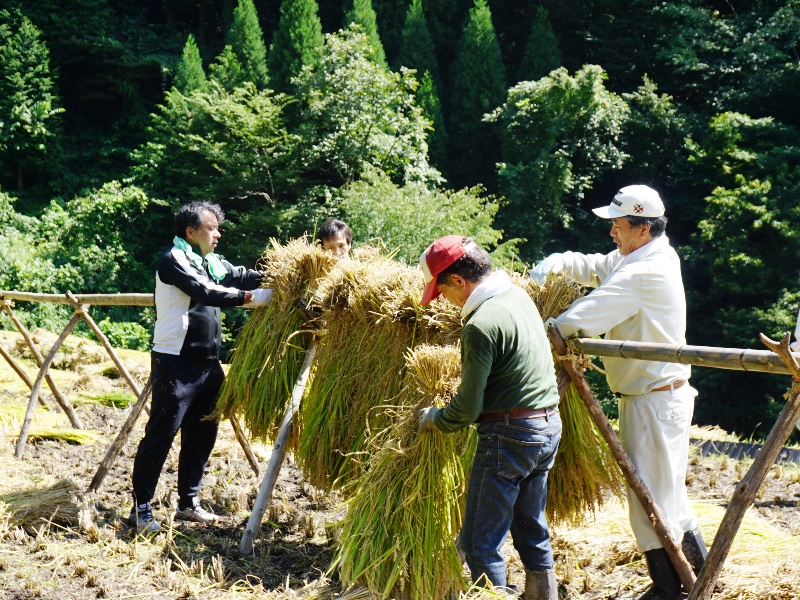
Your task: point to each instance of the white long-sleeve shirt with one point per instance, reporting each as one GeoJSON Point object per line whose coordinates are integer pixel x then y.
{"type": "Point", "coordinates": [638, 297]}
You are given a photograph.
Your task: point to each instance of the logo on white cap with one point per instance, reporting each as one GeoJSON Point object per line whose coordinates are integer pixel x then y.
{"type": "Point", "coordinates": [632, 201]}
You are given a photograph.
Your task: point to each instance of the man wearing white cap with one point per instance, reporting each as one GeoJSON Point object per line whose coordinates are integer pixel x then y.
{"type": "Point", "coordinates": [639, 296]}
{"type": "Point", "coordinates": [508, 387]}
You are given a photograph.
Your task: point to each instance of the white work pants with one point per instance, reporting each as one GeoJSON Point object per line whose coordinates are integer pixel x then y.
{"type": "Point", "coordinates": [654, 431]}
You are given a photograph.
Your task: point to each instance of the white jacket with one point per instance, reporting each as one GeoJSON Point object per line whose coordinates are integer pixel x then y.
{"type": "Point", "coordinates": [639, 298]}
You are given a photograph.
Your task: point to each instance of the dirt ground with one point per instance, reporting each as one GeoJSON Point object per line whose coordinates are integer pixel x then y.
{"type": "Point", "coordinates": [100, 555]}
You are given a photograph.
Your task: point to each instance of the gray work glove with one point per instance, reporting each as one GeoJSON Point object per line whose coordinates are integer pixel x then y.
{"type": "Point", "coordinates": [426, 416]}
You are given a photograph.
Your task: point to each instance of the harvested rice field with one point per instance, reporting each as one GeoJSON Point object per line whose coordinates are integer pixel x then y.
{"type": "Point", "coordinates": [59, 542]}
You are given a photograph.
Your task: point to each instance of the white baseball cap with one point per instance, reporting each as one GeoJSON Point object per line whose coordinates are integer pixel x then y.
{"type": "Point", "coordinates": [632, 201]}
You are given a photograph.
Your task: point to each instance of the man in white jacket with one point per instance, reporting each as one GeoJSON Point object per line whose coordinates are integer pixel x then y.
{"type": "Point", "coordinates": [639, 296]}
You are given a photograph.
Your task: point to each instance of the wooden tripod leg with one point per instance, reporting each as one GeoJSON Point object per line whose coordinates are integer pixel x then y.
{"type": "Point", "coordinates": [635, 482]}
{"type": "Point", "coordinates": [26, 425]}
{"type": "Point", "coordinates": [122, 437]}
{"type": "Point", "coordinates": [276, 460]}
{"type": "Point", "coordinates": [248, 451]}
{"type": "Point", "coordinates": [21, 372]}
{"type": "Point", "coordinates": [62, 401]}
{"type": "Point", "coordinates": [747, 488]}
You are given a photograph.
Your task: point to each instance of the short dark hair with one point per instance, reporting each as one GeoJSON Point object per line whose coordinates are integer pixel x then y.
{"type": "Point", "coordinates": [333, 227]}
{"type": "Point", "coordinates": [657, 224]}
{"type": "Point", "coordinates": [473, 266]}
{"type": "Point", "coordinates": [191, 215]}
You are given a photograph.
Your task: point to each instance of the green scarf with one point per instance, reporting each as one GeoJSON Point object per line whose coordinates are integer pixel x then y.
{"type": "Point", "coordinates": [215, 266]}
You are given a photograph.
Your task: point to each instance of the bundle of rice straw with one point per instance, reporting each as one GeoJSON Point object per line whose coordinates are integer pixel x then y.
{"type": "Point", "coordinates": [33, 506]}
{"type": "Point", "coordinates": [585, 472]}
{"type": "Point", "coordinates": [372, 313]}
{"type": "Point", "coordinates": [270, 349]}
{"type": "Point", "coordinates": [398, 537]}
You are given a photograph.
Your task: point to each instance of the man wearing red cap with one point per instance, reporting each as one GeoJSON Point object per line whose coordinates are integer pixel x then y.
{"type": "Point", "coordinates": [639, 296]}
{"type": "Point", "coordinates": [508, 387]}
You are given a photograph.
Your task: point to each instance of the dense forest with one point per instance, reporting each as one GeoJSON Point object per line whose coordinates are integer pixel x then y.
{"type": "Point", "coordinates": [410, 119]}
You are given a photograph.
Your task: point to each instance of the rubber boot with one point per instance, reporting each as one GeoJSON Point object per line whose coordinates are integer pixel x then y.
{"type": "Point", "coordinates": [666, 584]}
{"type": "Point", "coordinates": [694, 548]}
{"type": "Point", "coordinates": [540, 585]}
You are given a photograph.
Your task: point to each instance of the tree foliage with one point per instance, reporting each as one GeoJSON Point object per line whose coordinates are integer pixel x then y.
{"type": "Point", "coordinates": [559, 134]}
{"type": "Point", "coordinates": [189, 75]}
{"type": "Point", "coordinates": [542, 54]}
{"type": "Point", "coordinates": [247, 42]}
{"type": "Point", "coordinates": [28, 102]}
{"type": "Point", "coordinates": [416, 48]}
{"type": "Point", "coordinates": [297, 42]}
{"type": "Point", "coordinates": [363, 14]}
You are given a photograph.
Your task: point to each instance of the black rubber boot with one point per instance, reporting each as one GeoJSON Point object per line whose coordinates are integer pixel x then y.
{"type": "Point", "coordinates": [666, 584]}
{"type": "Point", "coordinates": [694, 548]}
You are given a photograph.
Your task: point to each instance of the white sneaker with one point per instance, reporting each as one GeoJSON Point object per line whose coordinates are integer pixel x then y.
{"type": "Point", "coordinates": [196, 514]}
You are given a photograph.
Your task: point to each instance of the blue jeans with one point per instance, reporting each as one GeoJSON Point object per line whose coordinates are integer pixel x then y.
{"type": "Point", "coordinates": [507, 491]}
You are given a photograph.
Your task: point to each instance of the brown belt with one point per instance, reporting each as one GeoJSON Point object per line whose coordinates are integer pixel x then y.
{"type": "Point", "coordinates": [674, 386]}
{"type": "Point", "coordinates": [516, 413]}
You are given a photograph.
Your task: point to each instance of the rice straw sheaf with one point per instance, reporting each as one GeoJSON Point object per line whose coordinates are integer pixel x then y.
{"type": "Point", "coordinates": [398, 536]}
{"type": "Point", "coordinates": [584, 473]}
{"type": "Point", "coordinates": [33, 506]}
{"type": "Point", "coordinates": [270, 349]}
{"type": "Point", "coordinates": [371, 308]}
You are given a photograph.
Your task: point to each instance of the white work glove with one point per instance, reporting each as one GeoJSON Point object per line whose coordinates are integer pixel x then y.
{"type": "Point", "coordinates": [261, 297]}
{"type": "Point", "coordinates": [795, 346]}
{"type": "Point", "coordinates": [426, 416]}
{"type": "Point", "coordinates": [552, 264]}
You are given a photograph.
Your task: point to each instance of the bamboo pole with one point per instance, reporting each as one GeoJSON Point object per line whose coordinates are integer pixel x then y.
{"type": "Point", "coordinates": [94, 299]}
{"type": "Point", "coordinates": [738, 359]}
{"type": "Point", "coordinates": [278, 454]}
{"type": "Point", "coordinates": [26, 425]}
{"type": "Point", "coordinates": [248, 451]}
{"type": "Point", "coordinates": [122, 437]}
{"type": "Point", "coordinates": [62, 401]}
{"type": "Point", "coordinates": [747, 488]}
{"type": "Point", "coordinates": [628, 469]}
{"type": "Point", "coordinates": [83, 311]}
{"type": "Point", "coordinates": [21, 372]}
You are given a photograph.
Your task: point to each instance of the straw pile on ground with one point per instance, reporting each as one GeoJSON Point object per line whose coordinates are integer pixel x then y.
{"type": "Point", "coordinates": [397, 539]}
{"type": "Point", "coordinates": [585, 473]}
{"type": "Point", "coordinates": [32, 507]}
{"type": "Point", "coordinates": [270, 349]}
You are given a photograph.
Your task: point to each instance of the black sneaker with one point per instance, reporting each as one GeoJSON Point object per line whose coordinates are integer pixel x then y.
{"type": "Point", "coordinates": [142, 517]}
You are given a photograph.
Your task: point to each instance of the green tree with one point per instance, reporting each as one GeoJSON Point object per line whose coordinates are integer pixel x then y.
{"type": "Point", "coordinates": [297, 42]}
{"type": "Point", "coordinates": [356, 112]}
{"type": "Point", "coordinates": [559, 134]}
{"type": "Point", "coordinates": [28, 104]}
{"type": "Point", "coordinates": [361, 13]}
{"type": "Point", "coordinates": [428, 101]}
{"type": "Point", "coordinates": [542, 54]}
{"type": "Point", "coordinates": [416, 49]}
{"type": "Point", "coordinates": [390, 16]}
{"type": "Point", "coordinates": [189, 75]}
{"type": "Point", "coordinates": [227, 70]}
{"type": "Point", "coordinates": [479, 87]}
{"type": "Point", "coordinates": [376, 207]}
{"type": "Point", "coordinates": [247, 42]}
{"type": "Point", "coordinates": [217, 144]}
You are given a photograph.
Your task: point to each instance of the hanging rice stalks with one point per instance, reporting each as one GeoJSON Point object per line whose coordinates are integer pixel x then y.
{"type": "Point", "coordinates": [31, 507]}
{"type": "Point", "coordinates": [371, 308]}
{"type": "Point", "coordinates": [270, 349]}
{"type": "Point", "coordinates": [398, 537]}
{"type": "Point", "coordinates": [584, 473]}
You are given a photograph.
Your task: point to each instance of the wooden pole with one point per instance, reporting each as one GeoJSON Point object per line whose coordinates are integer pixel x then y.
{"type": "Point", "coordinates": [248, 451]}
{"type": "Point", "coordinates": [747, 488]}
{"type": "Point", "coordinates": [122, 437]}
{"type": "Point", "coordinates": [738, 359]}
{"type": "Point", "coordinates": [26, 425]}
{"type": "Point", "coordinates": [93, 299]}
{"type": "Point", "coordinates": [62, 401]}
{"type": "Point", "coordinates": [83, 311]}
{"type": "Point", "coordinates": [278, 454]}
{"type": "Point", "coordinates": [21, 372]}
{"type": "Point", "coordinates": [628, 469]}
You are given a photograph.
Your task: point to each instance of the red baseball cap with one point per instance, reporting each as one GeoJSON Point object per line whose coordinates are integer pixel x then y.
{"type": "Point", "coordinates": [440, 254]}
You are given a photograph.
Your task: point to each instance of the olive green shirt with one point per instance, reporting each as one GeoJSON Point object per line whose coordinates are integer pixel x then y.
{"type": "Point", "coordinates": [505, 361]}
